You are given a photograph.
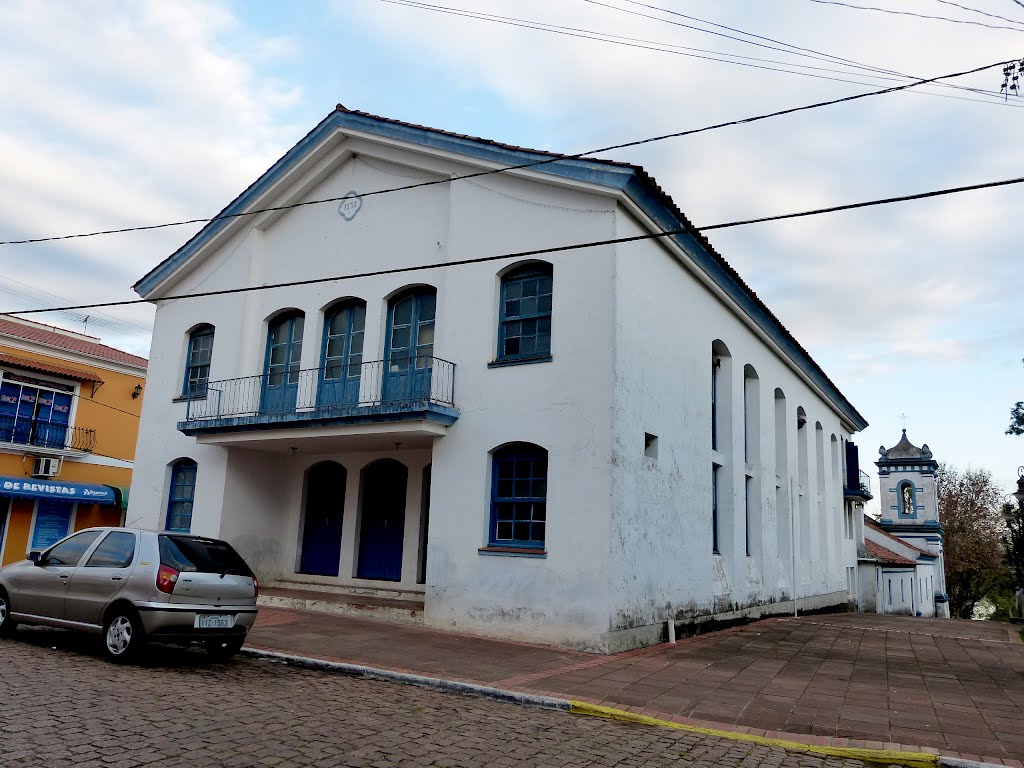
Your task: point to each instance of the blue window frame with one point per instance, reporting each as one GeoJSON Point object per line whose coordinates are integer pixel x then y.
{"type": "Point", "coordinates": [182, 494]}
{"type": "Point", "coordinates": [281, 366]}
{"type": "Point", "coordinates": [524, 328]}
{"type": "Point", "coordinates": [519, 492]}
{"type": "Point", "coordinates": [714, 509]}
{"type": "Point", "coordinates": [409, 351]}
{"type": "Point", "coordinates": [716, 365]}
{"type": "Point", "coordinates": [906, 499]}
{"type": "Point", "coordinates": [342, 354]}
{"type": "Point", "coordinates": [197, 362]}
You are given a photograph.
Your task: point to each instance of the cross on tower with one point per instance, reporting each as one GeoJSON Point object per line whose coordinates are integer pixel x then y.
{"type": "Point", "coordinates": [903, 421]}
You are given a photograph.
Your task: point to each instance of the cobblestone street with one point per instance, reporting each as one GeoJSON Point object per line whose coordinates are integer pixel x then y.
{"type": "Point", "coordinates": [61, 705]}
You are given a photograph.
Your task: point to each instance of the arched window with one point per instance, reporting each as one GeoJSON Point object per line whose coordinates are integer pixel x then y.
{"type": "Point", "coordinates": [519, 491]}
{"type": "Point", "coordinates": [524, 327]}
{"type": "Point", "coordinates": [907, 499]}
{"type": "Point", "coordinates": [197, 361]}
{"type": "Point", "coordinates": [410, 344]}
{"type": "Point", "coordinates": [342, 355]}
{"type": "Point", "coordinates": [181, 496]}
{"type": "Point", "coordinates": [282, 362]}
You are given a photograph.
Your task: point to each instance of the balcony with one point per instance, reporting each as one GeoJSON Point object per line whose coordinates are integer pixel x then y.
{"type": "Point", "coordinates": [862, 490]}
{"type": "Point", "coordinates": [45, 435]}
{"type": "Point", "coordinates": [414, 395]}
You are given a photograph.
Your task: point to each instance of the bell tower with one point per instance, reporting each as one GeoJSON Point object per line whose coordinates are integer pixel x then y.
{"type": "Point", "coordinates": [909, 499]}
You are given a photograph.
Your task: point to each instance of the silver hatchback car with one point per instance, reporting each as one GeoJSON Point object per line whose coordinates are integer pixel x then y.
{"type": "Point", "coordinates": [130, 586]}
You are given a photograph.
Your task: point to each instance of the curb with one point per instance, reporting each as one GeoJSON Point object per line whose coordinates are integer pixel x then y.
{"type": "Point", "coordinates": [884, 756]}
{"type": "Point", "coordinates": [436, 683]}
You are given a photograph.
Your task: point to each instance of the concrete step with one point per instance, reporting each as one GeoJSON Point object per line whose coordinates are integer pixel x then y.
{"type": "Point", "coordinates": [406, 609]}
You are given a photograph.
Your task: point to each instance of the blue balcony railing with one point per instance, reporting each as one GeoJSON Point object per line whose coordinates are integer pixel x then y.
{"type": "Point", "coordinates": [44, 434]}
{"type": "Point", "coordinates": [333, 392]}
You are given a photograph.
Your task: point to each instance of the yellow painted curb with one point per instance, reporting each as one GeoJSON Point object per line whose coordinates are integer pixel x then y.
{"type": "Point", "coordinates": [886, 756]}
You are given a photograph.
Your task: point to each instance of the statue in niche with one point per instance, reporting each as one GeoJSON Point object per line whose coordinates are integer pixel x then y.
{"type": "Point", "coordinates": [907, 499]}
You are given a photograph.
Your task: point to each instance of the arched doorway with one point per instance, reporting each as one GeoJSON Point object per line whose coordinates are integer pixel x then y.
{"type": "Point", "coordinates": [322, 519]}
{"type": "Point", "coordinates": [382, 521]}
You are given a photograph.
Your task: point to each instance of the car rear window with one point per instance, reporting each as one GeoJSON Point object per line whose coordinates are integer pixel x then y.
{"type": "Point", "coordinates": [189, 553]}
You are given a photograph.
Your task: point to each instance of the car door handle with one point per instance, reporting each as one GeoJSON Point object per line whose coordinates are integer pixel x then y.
{"type": "Point", "coordinates": [63, 575]}
{"type": "Point", "coordinates": [116, 578]}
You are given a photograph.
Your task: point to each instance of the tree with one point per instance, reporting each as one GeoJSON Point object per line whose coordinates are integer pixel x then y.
{"type": "Point", "coordinates": [1016, 418]}
{"type": "Point", "coordinates": [969, 509]}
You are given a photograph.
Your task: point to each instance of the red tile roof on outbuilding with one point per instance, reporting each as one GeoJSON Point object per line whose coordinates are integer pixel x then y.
{"type": "Point", "coordinates": [51, 336]}
{"type": "Point", "coordinates": [873, 524]}
{"type": "Point", "coordinates": [884, 555]}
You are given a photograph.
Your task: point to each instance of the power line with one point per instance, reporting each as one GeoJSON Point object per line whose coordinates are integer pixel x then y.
{"type": "Point", "coordinates": [978, 10]}
{"type": "Point", "coordinates": [798, 50]}
{"type": "Point", "coordinates": [630, 42]}
{"type": "Point", "coordinates": [918, 15]}
{"type": "Point", "coordinates": [553, 249]}
{"type": "Point", "coordinates": [98, 318]}
{"type": "Point", "coordinates": [662, 47]}
{"type": "Point", "coordinates": [505, 169]}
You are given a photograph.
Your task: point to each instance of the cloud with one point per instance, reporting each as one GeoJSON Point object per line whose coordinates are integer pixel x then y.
{"type": "Point", "coordinates": [129, 113]}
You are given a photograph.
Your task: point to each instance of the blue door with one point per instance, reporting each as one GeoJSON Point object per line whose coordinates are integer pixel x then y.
{"type": "Point", "coordinates": [410, 347]}
{"type": "Point", "coordinates": [322, 519]}
{"type": "Point", "coordinates": [342, 356]}
{"type": "Point", "coordinates": [382, 522]}
{"type": "Point", "coordinates": [281, 370]}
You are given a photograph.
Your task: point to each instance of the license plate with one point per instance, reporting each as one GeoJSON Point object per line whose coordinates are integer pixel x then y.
{"type": "Point", "coordinates": [215, 621]}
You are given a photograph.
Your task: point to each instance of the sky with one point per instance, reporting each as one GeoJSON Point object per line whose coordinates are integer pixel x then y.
{"type": "Point", "coordinates": [119, 114]}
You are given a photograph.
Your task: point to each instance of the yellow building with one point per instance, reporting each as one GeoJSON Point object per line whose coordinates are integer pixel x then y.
{"type": "Point", "coordinates": [69, 417]}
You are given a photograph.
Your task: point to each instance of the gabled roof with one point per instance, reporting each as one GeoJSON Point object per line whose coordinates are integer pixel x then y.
{"type": "Point", "coordinates": [630, 180]}
{"type": "Point", "coordinates": [58, 338]}
{"type": "Point", "coordinates": [873, 525]}
{"type": "Point", "coordinates": [884, 555]}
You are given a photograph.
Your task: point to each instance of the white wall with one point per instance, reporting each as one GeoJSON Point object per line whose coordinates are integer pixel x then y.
{"type": "Point", "coordinates": [662, 562]}
{"type": "Point", "coordinates": [628, 537]}
{"type": "Point", "coordinates": [562, 405]}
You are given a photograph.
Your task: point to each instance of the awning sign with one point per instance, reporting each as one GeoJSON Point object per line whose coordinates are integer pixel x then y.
{"type": "Point", "coordinates": [86, 493]}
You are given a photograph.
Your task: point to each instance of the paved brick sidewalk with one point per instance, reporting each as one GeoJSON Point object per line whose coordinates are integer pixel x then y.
{"type": "Point", "coordinates": [950, 687]}
{"type": "Point", "coordinates": [63, 706]}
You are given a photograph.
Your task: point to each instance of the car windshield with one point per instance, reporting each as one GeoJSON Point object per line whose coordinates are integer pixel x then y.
{"type": "Point", "coordinates": [188, 553]}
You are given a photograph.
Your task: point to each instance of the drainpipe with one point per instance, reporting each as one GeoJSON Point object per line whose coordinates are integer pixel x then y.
{"type": "Point", "coordinates": [792, 543]}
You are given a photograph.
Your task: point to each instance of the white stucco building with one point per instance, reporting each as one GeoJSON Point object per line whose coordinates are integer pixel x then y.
{"type": "Point", "coordinates": [902, 565]}
{"type": "Point", "coordinates": [571, 447]}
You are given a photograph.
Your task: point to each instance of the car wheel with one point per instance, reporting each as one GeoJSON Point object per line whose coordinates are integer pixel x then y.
{"type": "Point", "coordinates": [222, 650]}
{"type": "Point", "coordinates": [123, 635]}
{"type": "Point", "coordinates": [7, 624]}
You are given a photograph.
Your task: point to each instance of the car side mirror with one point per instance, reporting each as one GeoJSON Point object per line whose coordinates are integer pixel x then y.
{"type": "Point", "coordinates": [34, 556]}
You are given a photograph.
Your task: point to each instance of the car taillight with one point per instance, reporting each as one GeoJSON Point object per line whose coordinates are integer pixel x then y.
{"type": "Point", "coordinates": [256, 586]}
{"type": "Point", "coordinates": [166, 578]}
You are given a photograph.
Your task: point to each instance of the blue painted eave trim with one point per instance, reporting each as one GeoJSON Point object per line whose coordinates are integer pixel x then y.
{"type": "Point", "coordinates": [632, 181]}
{"type": "Point", "coordinates": [615, 176]}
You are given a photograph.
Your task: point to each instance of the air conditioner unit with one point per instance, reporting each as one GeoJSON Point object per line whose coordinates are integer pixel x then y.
{"type": "Point", "coordinates": [46, 467]}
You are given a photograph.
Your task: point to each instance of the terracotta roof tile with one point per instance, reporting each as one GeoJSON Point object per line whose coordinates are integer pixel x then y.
{"type": "Point", "coordinates": [873, 524]}
{"type": "Point", "coordinates": [52, 337]}
{"type": "Point", "coordinates": [884, 555]}
{"type": "Point", "coordinates": [59, 370]}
